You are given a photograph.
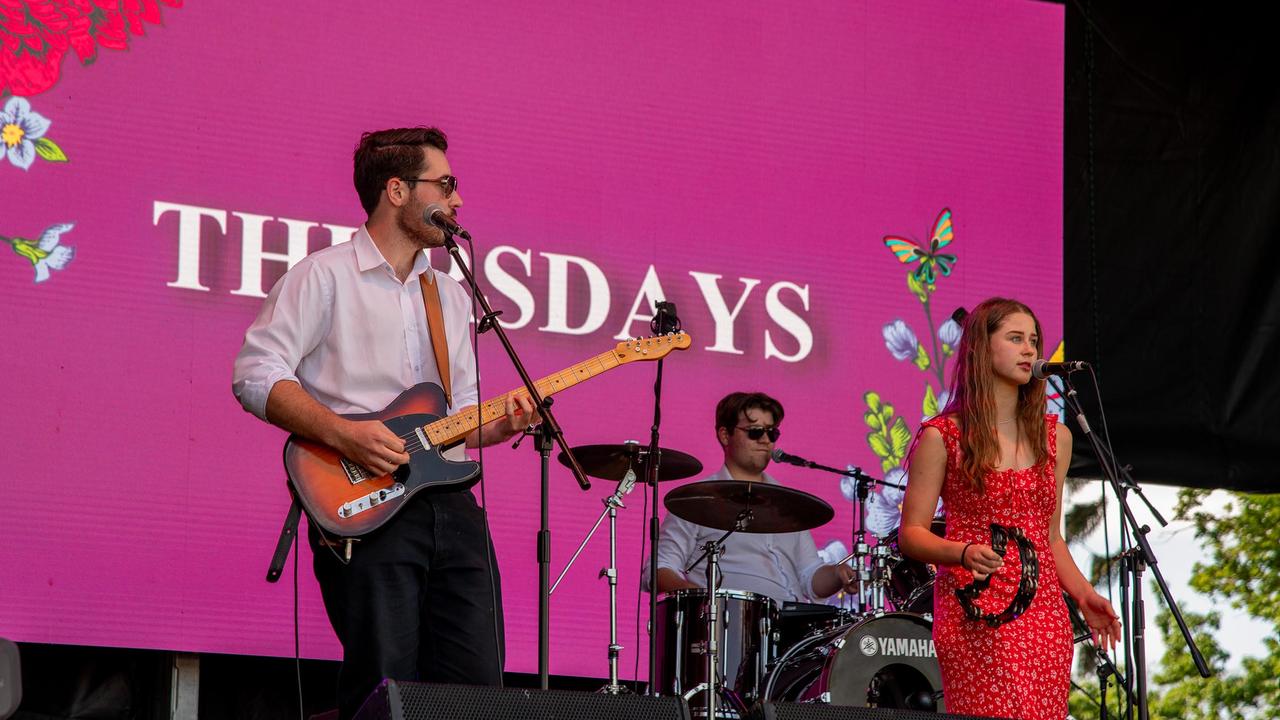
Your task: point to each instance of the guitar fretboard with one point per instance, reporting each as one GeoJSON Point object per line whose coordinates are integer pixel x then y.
{"type": "Point", "coordinates": [449, 430]}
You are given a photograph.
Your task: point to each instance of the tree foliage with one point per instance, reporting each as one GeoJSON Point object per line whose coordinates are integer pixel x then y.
{"type": "Point", "coordinates": [1239, 572]}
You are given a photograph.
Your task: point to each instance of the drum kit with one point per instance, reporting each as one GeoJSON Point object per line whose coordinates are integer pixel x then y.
{"type": "Point", "coordinates": [726, 655]}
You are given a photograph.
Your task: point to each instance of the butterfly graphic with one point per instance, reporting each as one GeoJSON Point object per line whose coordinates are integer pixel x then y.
{"type": "Point", "coordinates": [930, 260]}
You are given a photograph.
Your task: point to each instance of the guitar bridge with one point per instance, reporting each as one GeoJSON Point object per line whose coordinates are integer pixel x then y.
{"type": "Point", "coordinates": [355, 473]}
{"type": "Point", "coordinates": [370, 501]}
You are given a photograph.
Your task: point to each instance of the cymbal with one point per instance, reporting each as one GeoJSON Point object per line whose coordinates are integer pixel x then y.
{"type": "Point", "coordinates": [610, 462]}
{"type": "Point", "coordinates": [774, 508]}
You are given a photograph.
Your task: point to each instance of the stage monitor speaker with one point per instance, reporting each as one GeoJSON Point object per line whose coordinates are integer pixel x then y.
{"type": "Point", "coordinates": [395, 700]}
{"type": "Point", "coordinates": [10, 679]}
{"type": "Point", "coordinates": [819, 711]}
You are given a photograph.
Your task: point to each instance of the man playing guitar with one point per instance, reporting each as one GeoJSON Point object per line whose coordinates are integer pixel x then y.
{"type": "Point", "coordinates": [346, 331]}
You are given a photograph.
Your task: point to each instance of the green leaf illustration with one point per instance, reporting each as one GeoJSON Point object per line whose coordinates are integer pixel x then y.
{"type": "Point", "coordinates": [947, 350]}
{"type": "Point", "coordinates": [916, 288]}
{"type": "Point", "coordinates": [879, 446]}
{"type": "Point", "coordinates": [922, 358]}
{"type": "Point", "coordinates": [873, 421]}
{"type": "Point", "coordinates": [873, 401]}
{"type": "Point", "coordinates": [49, 150]}
{"type": "Point", "coordinates": [930, 401]}
{"type": "Point", "coordinates": [901, 438]}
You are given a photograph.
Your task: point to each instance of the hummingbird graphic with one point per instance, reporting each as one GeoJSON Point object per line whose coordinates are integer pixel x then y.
{"type": "Point", "coordinates": [45, 254]}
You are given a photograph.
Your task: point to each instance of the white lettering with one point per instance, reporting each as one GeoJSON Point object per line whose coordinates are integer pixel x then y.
{"type": "Point", "coordinates": [252, 255]}
{"type": "Point", "coordinates": [558, 295]}
{"type": "Point", "coordinates": [338, 234]}
{"type": "Point", "coordinates": [720, 313]}
{"type": "Point", "coordinates": [650, 291]}
{"type": "Point", "coordinates": [788, 320]}
{"type": "Point", "coordinates": [508, 285]}
{"type": "Point", "coordinates": [188, 239]}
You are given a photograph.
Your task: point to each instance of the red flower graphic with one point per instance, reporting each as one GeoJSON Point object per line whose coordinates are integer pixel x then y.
{"type": "Point", "coordinates": [36, 34]}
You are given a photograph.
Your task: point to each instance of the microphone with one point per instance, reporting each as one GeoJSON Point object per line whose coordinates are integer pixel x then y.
{"type": "Point", "coordinates": [785, 457]}
{"type": "Point", "coordinates": [1041, 369]}
{"type": "Point", "coordinates": [443, 219]}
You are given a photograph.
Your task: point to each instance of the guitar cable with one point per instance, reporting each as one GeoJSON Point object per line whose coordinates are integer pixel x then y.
{"type": "Point", "coordinates": [491, 551]}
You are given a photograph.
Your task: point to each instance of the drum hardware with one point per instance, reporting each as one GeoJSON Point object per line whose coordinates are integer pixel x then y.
{"type": "Point", "coordinates": [620, 463]}
{"type": "Point", "coordinates": [870, 564]}
{"type": "Point", "coordinates": [910, 582]}
{"type": "Point", "coordinates": [714, 685]}
{"type": "Point", "coordinates": [737, 506]}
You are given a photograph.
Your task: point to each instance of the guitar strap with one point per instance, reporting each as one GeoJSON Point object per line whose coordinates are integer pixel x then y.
{"type": "Point", "coordinates": [287, 533]}
{"type": "Point", "coordinates": [435, 324]}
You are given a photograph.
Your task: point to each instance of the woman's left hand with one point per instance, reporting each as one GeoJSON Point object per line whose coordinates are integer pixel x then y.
{"type": "Point", "coordinates": [1102, 620]}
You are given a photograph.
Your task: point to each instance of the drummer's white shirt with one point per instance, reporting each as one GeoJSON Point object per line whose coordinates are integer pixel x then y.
{"type": "Point", "coordinates": [780, 566]}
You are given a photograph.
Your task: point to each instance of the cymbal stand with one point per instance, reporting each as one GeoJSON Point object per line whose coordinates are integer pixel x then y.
{"type": "Point", "coordinates": [871, 563]}
{"type": "Point", "coordinates": [712, 686]}
{"type": "Point", "coordinates": [611, 505]}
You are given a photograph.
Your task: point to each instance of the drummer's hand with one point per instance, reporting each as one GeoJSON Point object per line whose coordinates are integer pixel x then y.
{"type": "Point", "coordinates": [831, 579]}
{"type": "Point", "coordinates": [848, 577]}
{"type": "Point", "coordinates": [981, 560]}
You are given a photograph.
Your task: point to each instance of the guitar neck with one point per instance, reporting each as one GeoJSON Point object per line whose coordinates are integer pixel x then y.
{"type": "Point", "coordinates": [454, 428]}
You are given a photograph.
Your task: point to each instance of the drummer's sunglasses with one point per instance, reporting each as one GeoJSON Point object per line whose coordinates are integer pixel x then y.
{"type": "Point", "coordinates": [757, 432]}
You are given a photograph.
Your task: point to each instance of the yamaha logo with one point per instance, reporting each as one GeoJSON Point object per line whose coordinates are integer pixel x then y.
{"type": "Point", "coordinates": [867, 645]}
{"type": "Point", "coordinates": [900, 646]}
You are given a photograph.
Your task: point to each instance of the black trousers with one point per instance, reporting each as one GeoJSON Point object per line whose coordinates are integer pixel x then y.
{"type": "Point", "coordinates": [417, 601]}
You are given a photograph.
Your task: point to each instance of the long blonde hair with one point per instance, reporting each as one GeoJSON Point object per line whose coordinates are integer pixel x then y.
{"type": "Point", "coordinates": [972, 401]}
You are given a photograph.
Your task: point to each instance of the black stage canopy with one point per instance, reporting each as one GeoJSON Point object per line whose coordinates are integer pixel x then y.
{"type": "Point", "coordinates": [1172, 238]}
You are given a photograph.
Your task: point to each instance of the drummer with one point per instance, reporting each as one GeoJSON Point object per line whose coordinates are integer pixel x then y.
{"type": "Point", "coordinates": [782, 566]}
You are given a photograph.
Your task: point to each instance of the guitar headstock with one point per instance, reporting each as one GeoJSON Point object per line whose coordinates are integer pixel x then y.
{"type": "Point", "coordinates": [651, 348]}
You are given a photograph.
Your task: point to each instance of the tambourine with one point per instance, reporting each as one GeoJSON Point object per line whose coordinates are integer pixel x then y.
{"type": "Point", "coordinates": [1027, 584]}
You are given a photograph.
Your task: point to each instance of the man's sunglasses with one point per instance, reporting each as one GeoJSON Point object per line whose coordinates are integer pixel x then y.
{"type": "Point", "coordinates": [448, 184]}
{"type": "Point", "coordinates": [756, 432]}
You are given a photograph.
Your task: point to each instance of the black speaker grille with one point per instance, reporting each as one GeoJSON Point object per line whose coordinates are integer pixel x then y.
{"type": "Point", "coordinates": [420, 701]}
{"type": "Point", "coordinates": [818, 711]}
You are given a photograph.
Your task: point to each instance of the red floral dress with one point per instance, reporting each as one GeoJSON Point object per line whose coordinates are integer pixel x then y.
{"type": "Point", "coordinates": [1021, 669]}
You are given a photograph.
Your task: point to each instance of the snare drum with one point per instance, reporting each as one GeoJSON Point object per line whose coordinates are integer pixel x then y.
{"type": "Point", "coordinates": [885, 661]}
{"type": "Point", "coordinates": [745, 644]}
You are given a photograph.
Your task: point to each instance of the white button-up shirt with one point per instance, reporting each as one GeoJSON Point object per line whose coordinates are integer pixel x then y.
{"type": "Point", "coordinates": [780, 566]}
{"type": "Point", "coordinates": [343, 326]}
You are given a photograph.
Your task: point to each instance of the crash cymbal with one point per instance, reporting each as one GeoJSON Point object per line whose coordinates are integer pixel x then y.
{"type": "Point", "coordinates": [774, 508]}
{"type": "Point", "coordinates": [610, 462]}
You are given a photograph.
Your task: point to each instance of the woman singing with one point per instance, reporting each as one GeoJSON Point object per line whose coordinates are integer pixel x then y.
{"type": "Point", "coordinates": [998, 463]}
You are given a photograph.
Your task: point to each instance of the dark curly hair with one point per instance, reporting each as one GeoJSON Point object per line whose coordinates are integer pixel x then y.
{"type": "Point", "coordinates": [731, 405]}
{"type": "Point", "coordinates": [384, 154]}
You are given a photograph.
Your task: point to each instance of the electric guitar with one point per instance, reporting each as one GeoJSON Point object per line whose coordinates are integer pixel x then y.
{"type": "Point", "coordinates": [347, 500]}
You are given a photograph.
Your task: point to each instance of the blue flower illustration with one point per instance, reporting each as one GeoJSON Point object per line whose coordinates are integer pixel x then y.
{"type": "Point", "coordinates": [884, 506]}
{"type": "Point", "coordinates": [949, 334]}
{"type": "Point", "coordinates": [20, 128]}
{"type": "Point", "coordinates": [900, 340]}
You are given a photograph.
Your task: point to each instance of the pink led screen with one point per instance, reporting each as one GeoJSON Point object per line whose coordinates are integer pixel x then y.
{"type": "Point", "coordinates": [743, 160]}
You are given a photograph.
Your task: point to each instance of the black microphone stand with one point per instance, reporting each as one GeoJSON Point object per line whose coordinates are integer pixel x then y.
{"type": "Point", "coordinates": [549, 431]}
{"type": "Point", "coordinates": [664, 321]}
{"type": "Point", "coordinates": [861, 550]}
{"type": "Point", "coordinates": [1134, 560]}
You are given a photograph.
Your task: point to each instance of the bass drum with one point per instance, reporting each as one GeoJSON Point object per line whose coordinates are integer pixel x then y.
{"type": "Point", "coordinates": [885, 661]}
